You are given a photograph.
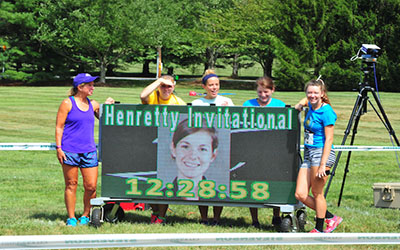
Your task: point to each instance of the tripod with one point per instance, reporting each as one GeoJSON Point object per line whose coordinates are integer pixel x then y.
{"type": "Point", "coordinates": [360, 108]}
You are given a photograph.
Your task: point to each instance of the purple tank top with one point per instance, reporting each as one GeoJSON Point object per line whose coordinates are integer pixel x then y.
{"type": "Point", "coordinates": [78, 135]}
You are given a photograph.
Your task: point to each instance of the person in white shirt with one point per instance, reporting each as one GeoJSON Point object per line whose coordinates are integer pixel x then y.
{"type": "Point", "coordinates": [211, 86]}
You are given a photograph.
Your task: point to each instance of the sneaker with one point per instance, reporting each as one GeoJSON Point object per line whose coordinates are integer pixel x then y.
{"type": "Point", "coordinates": [159, 220]}
{"type": "Point", "coordinates": [204, 222]}
{"type": "Point", "coordinates": [332, 223]}
{"type": "Point", "coordinates": [256, 224]}
{"type": "Point", "coordinates": [215, 223]}
{"type": "Point", "coordinates": [71, 222]}
{"type": "Point", "coordinates": [153, 218]}
{"type": "Point", "coordinates": [84, 220]}
{"type": "Point", "coordinates": [315, 231]}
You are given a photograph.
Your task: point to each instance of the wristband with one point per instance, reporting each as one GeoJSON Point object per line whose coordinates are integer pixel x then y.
{"type": "Point", "coordinates": [58, 146]}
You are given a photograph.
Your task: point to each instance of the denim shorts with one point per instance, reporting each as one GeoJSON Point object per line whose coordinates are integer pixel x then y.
{"type": "Point", "coordinates": [312, 157]}
{"type": "Point", "coordinates": [82, 160]}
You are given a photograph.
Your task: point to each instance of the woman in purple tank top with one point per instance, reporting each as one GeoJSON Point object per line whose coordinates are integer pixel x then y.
{"type": "Point", "coordinates": [75, 144]}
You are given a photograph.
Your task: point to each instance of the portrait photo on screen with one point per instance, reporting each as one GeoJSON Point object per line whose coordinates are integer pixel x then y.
{"type": "Point", "coordinates": [190, 155]}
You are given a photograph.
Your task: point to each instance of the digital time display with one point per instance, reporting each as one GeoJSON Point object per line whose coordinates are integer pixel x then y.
{"type": "Point", "coordinates": [207, 189]}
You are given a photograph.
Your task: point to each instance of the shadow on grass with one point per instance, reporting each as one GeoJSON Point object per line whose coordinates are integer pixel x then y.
{"type": "Point", "coordinates": [144, 218]}
{"type": "Point", "coordinates": [49, 216]}
{"type": "Point", "coordinates": [136, 217]}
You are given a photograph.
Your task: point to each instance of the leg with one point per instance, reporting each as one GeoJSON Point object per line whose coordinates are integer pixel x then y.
{"type": "Point", "coordinates": [163, 210]}
{"type": "Point", "coordinates": [303, 188]}
{"type": "Point", "coordinates": [156, 212]}
{"type": "Point", "coordinates": [89, 176]}
{"type": "Point", "coordinates": [254, 214]}
{"type": "Point", "coordinates": [203, 213]}
{"type": "Point", "coordinates": [276, 219]}
{"type": "Point", "coordinates": [71, 183]}
{"type": "Point", "coordinates": [317, 188]}
{"type": "Point", "coordinates": [155, 209]}
{"type": "Point", "coordinates": [277, 212]}
{"type": "Point", "coordinates": [217, 213]}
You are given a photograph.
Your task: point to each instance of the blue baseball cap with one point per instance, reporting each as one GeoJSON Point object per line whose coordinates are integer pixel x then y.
{"type": "Point", "coordinates": [83, 78]}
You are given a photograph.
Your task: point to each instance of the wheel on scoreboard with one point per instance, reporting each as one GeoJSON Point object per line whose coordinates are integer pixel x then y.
{"type": "Point", "coordinates": [113, 212]}
{"type": "Point", "coordinates": [286, 224]}
{"type": "Point", "coordinates": [96, 217]}
{"type": "Point", "coordinates": [301, 220]}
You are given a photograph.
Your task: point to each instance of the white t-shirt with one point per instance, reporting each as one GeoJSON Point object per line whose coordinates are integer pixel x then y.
{"type": "Point", "coordinates": [218, 101]}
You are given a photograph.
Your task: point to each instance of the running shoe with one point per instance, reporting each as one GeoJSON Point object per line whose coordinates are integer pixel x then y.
{"type": "Point", "coordinates": [71, 222]}
{"type": "Point", "coordinates": [256, 224]}
{"type": "Point", "coordinates": [315, 231]}
{"type": "Point", "coordinates": [332, 223]}
{"type": "Point", "coordinates": [159, 220]}
{"type": "Point", "coordinates": [204, 222]}
{"type": "Point", "coordinates": [153, 218]}
{"type": "Point", "coordinates": [84, 220]}
{"type": "Point", "coordinates": [215, 223]}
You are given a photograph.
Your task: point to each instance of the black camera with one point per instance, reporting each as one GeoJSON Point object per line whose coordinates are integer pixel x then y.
{"type": "Point", "coordinates": [371, 52]}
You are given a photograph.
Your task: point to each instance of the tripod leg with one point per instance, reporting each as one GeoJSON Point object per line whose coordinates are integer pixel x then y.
{"type": "Point", "coordinates": [346, 169]}
{"type": "Point", "coordinates": [356, 112]}
{"type": "Point", "coordinates": [387, 122]}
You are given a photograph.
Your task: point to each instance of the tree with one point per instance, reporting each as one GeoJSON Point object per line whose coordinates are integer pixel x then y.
{"type": "Point", "coordinates": [89, 32]}
{"type": "Point", "coordinates": [312, 34]}
{"type": "Point", "coordinates": [244, 30]}
{"type": "Point", "coordinates": [157, 26]}
{"type": "Point", "coordinates": [205, 29]}
{"type": "Point", "coordinates": [26, 59]}
{"type": "Point", "coordinates": [379, 23]}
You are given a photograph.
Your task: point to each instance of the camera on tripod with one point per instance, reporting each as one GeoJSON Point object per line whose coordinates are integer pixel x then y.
{"type": "Point", "coordinates": [371, 52]}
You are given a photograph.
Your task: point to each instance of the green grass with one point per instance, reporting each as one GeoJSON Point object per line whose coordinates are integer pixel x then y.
{"type": "Point", "coordinates": [31, 182]}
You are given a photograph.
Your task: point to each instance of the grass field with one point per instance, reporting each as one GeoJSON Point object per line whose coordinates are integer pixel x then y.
{"type": "Point", "coordinates": [31, 182]}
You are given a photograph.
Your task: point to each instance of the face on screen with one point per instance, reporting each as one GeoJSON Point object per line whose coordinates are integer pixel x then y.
{"type": "Point", "coordinates": [194, 154]}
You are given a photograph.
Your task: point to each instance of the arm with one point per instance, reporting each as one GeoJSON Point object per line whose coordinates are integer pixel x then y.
{"type": "Point", "coordinates": [62, 114]}
{"type": "Point", "coordinates": [96, 106]}
{"type": "Point", "coordinates": [302, 103]}
{"type": "Point", "coordinates": [326, 150]}
{"type": "Point", "coordinates": [144, 96]}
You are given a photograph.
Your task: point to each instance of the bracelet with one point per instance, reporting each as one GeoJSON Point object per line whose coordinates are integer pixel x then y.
{"type": "Point", "coordinates": [57, 146]}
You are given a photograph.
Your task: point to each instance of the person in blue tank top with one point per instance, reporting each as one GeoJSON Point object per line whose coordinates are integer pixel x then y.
{"type": "Point", "coordinates": [75, 144]}
{"type": "Point", "coordinates": [319, 155]}
{"type": "Point", "coordinates": [265, 89]}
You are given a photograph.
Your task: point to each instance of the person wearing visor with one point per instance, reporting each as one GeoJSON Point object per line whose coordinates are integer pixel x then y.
{"type": "Point", "coordinates": [76, 149]}
{"type": "Point", "coordinates": [211, 84]}
{"type": "Point", "coordinates": [161, 91]}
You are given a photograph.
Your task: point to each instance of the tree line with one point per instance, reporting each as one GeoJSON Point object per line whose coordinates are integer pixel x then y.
{"type": "Point", "coordinates": [293, 41]}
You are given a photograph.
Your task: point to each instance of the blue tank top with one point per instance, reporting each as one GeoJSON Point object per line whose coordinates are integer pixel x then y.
{"type": "Point", "coordinates": [78, 135]}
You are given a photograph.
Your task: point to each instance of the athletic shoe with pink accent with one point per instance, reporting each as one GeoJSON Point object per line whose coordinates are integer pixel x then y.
{"type": "Point", "coordinates": [332, 223]}
{"type": "Point", "coordinates": [315, 231]}
{"type": "Point", "coordinates": [159, 220]}
{"type": "Point", "coordinates": [153, 218]}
